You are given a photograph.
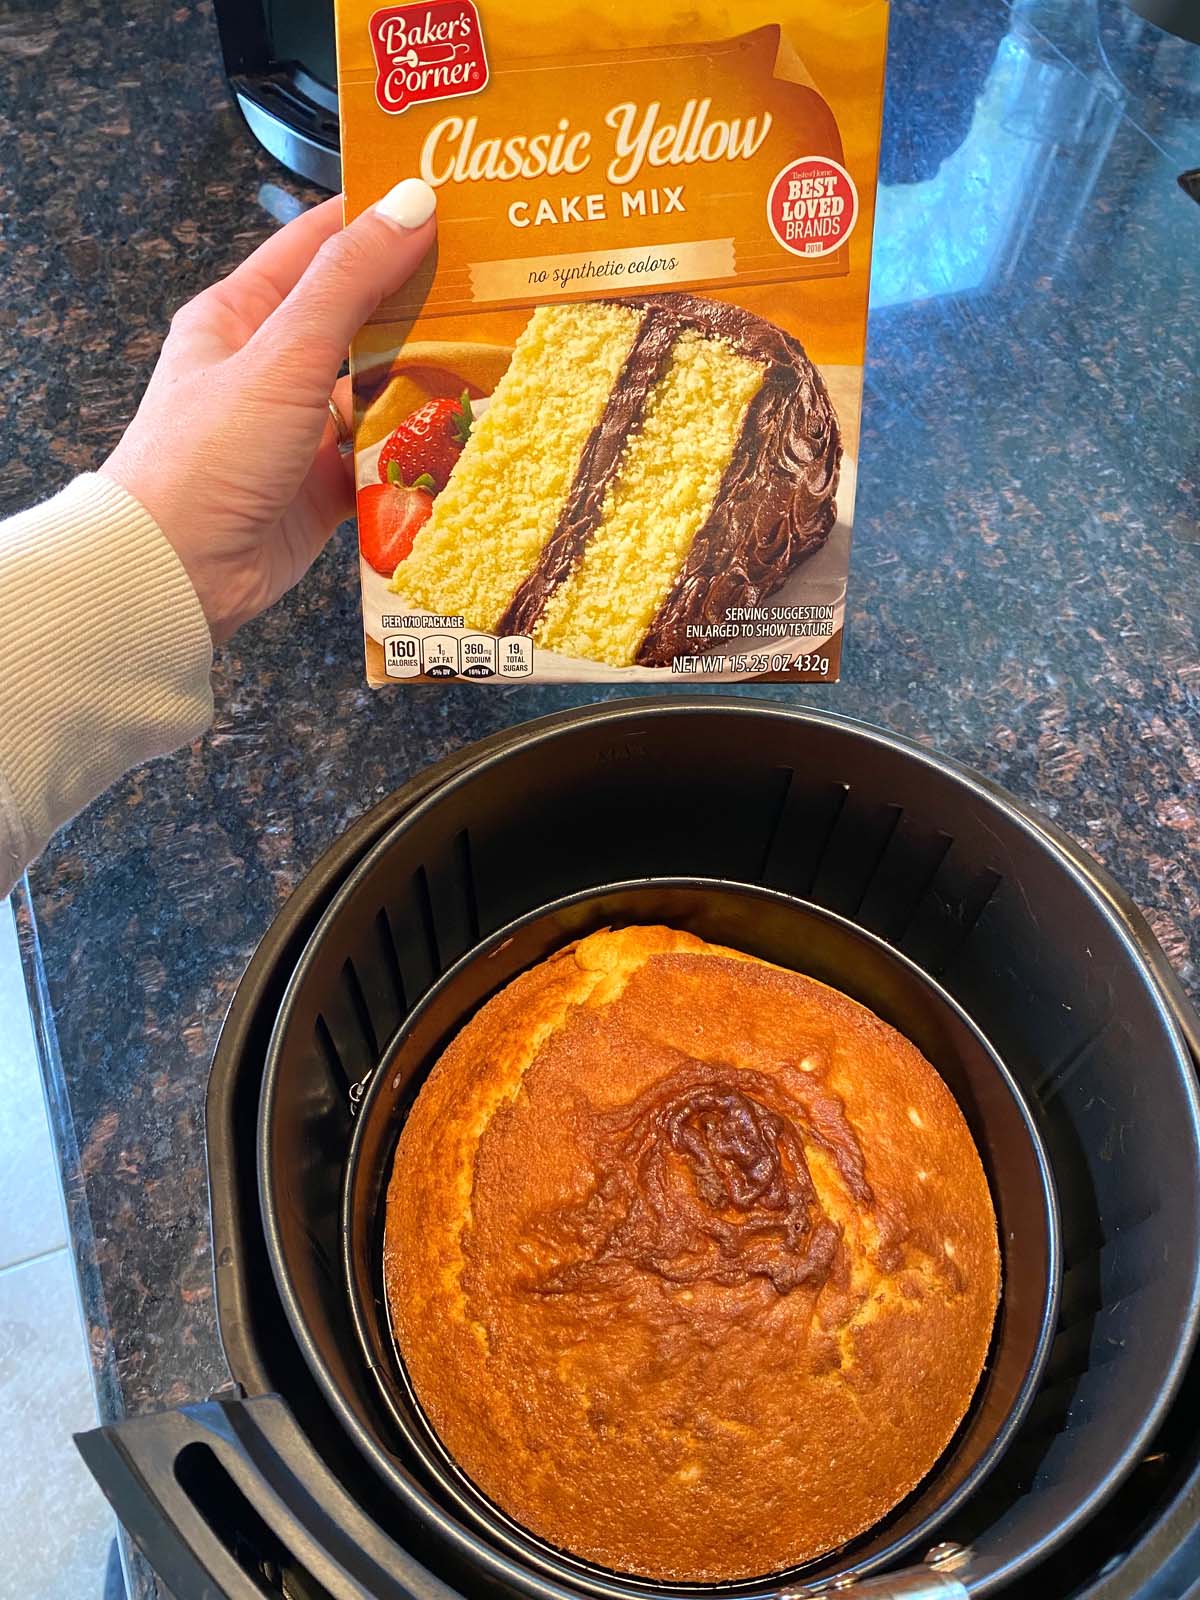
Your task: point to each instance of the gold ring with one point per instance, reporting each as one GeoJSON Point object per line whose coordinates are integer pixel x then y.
{"type": "Point", "coordinates": [345, 439]}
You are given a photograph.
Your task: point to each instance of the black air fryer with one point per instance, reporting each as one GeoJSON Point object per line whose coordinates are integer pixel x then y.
{"type": "Point", "coordinates": [1176, 16]}
{"type": "Point", "coordinates": [281, 62]}
{"type": "Point", "coordinates": [865, 859]}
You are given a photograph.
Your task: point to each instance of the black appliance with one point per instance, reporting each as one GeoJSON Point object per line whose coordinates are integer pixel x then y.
{"type": "Point", "coordinates": [763, 922]}
{"type": "Point", "coordinates": [271, 1490]}
{"type": "Point", "coordinates": [1176, 16]}
{"type": "Point", "coordinates": [281, 62]}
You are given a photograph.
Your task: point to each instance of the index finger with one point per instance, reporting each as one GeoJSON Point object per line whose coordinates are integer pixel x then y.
{"type": "Point", "coordinates": [305, 341]}
{"type": "Point", "coordinates": [261, 283]}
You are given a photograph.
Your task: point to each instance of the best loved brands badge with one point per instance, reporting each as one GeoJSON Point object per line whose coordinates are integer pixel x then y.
{"type": "Point", "coordinates": [427, 52]}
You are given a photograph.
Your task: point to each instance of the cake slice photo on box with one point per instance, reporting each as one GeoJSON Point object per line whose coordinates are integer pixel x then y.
{"type": "Point", "coordinates": [644, 465]}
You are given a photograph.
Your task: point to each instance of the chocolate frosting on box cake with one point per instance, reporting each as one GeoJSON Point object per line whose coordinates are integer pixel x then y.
{"type": "Point", "coordinates": [776, 502]}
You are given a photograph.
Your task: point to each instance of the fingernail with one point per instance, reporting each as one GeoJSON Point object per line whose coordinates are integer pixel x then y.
{"type": "Point", "coordinates": [409, 204]}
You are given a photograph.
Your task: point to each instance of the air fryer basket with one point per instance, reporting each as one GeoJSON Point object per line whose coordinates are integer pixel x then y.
{"type": "Point", "coordinates": [835, 951]}
{"type": "Point", "coordinates": [902, 844]}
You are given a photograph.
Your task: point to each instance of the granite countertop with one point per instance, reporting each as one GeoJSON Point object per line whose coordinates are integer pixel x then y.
{"type": "Point", "coordinates": [1024, 593]}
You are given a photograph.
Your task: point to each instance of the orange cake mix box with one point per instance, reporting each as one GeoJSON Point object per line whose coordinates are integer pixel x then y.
{"type": "Point", "coordinates": [609, 432]}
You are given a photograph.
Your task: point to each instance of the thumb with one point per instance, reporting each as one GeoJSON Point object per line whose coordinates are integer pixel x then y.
{"type": "Point", "coordinates": [306, 337]}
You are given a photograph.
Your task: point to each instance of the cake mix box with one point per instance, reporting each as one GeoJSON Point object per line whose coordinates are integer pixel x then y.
{"type": "Point", "coordinates": [609, 432]}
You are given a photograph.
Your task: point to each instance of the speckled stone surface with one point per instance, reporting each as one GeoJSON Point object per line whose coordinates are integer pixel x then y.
{"type": "Point", "coordinates": [1025, 585]}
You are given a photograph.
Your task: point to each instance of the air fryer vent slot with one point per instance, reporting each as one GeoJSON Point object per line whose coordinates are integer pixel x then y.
{"type": "Point", "coordinates": [853, 850]}
{"type": "Point", "coordinates": [903, 876]}
{"type": "Point", "coordinates": [424, 909]}
{"type": "Point", "coordinates": [1082, 1296]}
{"type": "Point", "coordinates": [948, 914]}
{"type": "Point", "coordinates": [466, 880]}
{"type": "Point", "coordinates": [390, 960]}
{"type": "Point", "coordinates": [446, 904]}
{"type": "Point", "coordinates": [359, 1009]}
{"type": "Point", "coordinates": [329, 1054]}
{"type": "Point", "coordinates": [785, 777]}
{"type": "Point", "coordinates": [1070, 1359]}
{"type": "Point", "coordinates": [1056, 1077]}
{"type": "Point", "coordinates": [804, 826]}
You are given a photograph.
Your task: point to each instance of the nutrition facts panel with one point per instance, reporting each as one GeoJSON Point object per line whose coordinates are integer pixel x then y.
{"type": "Point", "coordinates": [450, 655]}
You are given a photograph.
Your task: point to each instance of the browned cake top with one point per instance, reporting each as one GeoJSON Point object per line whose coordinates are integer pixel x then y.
{"type": "Point", "coordinates": [692, 1260]}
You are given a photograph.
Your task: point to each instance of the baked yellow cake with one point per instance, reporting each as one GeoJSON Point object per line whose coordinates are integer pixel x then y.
{"type": "Point", "coordinates": [644, 465]}
{"type": "Point", "coordinates": [691, 1260]}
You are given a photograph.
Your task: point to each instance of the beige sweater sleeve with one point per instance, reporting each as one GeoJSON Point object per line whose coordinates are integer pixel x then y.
{"type": "Point", "coordinates": [104, 658]}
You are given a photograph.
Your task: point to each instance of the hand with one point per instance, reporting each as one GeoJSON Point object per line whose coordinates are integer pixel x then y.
{"type": "Point", "coordinates": [233, 451]}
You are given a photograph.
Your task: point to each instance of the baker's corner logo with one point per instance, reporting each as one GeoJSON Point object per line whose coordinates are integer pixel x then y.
{"type": "Point", "coordinates": [427, 52]}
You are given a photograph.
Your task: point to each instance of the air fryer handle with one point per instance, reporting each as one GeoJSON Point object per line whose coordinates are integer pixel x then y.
{"type": "Point", "coordinates": [225, 1507]}
{"type": "Point", "coordinates": [136, 1463]}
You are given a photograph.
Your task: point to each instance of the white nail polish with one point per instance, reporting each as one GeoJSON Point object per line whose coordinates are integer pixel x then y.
{"type": "Point", "coordinates": [409, 204]}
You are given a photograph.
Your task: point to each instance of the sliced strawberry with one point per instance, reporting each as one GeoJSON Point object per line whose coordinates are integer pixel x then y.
{"type": "Point", "coordinates": [427, 442]}
{"type": "Point", "coordinates": [390, 515]}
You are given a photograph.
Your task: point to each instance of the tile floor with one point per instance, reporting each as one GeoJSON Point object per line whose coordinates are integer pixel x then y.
{"type": "Point", "coordinates": [56, 1530]}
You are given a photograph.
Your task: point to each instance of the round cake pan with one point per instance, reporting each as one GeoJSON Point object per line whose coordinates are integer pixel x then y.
{"type": "Point", "coordinates": [803, 938]}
